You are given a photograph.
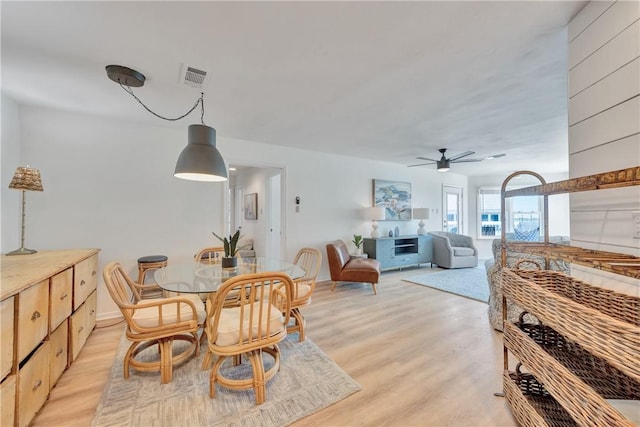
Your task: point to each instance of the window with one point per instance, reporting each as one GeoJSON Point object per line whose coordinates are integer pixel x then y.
{"type": "Point", "coordinates": [524, 215]}
{"type": "Point", "coordinates": [489, 212]}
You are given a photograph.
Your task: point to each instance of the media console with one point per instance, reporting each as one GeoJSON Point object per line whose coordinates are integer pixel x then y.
{"type": "Point", "coordinates": [400, 251]}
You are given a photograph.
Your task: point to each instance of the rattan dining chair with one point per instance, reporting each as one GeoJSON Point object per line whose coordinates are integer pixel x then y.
{"type": "Point", "coordinates": [252, 327]}
{"type": "Point", "coordinates": [210, 255]}
{"type": "Point", "coordinates": [309, 259]}
{"type": "Point", "coordinates": [153, 322]}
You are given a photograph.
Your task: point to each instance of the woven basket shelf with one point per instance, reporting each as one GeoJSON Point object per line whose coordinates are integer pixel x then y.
{"type": "Point", "coordinates": [622, 264]}
{"type": "Point", "coordinates": [605, 364]}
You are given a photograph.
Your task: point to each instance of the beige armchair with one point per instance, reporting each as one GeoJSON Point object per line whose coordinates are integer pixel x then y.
{"type": "Point", "coordinates": [451, 250]}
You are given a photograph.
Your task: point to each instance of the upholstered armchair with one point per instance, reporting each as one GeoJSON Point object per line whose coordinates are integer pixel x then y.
{"type": "Point", "coordinates": [451, 250]}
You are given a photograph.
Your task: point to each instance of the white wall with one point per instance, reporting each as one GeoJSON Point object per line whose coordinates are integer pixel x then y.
{"type": "Point", "coordinates": [109, 184]}
{"type": "Point", "coordinates": [604, 129]}
{"type": "Point", "coordinates": [9, 160]}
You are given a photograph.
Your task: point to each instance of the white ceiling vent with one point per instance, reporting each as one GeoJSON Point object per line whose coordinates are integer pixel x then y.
{"type": "Point", "coordinates": [193, 77]}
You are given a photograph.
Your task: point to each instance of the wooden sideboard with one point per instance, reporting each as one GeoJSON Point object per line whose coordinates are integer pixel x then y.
{"type": "Point", "coordinates": [47, 309]}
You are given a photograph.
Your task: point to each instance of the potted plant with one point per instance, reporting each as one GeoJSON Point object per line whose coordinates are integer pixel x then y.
{"type": "Point", "coordinates": [357, 241]}
{"type": "Point", "coordinates": [230, 249]}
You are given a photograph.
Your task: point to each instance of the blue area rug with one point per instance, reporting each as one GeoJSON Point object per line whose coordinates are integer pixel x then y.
{"type": "Point", "coordinates": [467, 282]}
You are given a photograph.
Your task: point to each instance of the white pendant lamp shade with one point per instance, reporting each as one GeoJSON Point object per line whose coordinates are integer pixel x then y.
{"type": "Point", "coordinates": [200, 160]}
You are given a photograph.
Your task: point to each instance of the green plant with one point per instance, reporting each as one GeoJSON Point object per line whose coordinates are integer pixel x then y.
{"type": "Point", "coordinates": [230, 244]}
{"type": "Point", "coordinates": [357, 240]}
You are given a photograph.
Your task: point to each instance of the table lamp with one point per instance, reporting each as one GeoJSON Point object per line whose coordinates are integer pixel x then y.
{"type": "Point", "coordinates": [421, 213]}
{"type": "Point", "coordinates": [25, 179]}
{"type": "Point", "coordinates": [375, 214]}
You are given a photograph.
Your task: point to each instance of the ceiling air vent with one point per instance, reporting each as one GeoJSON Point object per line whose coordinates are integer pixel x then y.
{"type": "Point", "coordinates": [193, 77]}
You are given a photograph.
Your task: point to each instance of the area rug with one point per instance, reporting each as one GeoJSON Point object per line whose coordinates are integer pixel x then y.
{"type": "Point", "coordinates": [307, 382]}
{"type": "Point", "coordinates": [467, 282]}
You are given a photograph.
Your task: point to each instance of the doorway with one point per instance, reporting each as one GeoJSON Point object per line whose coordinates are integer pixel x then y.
{"type": "Point", "coordinates": [267, 228]}
{"type": "Point", "coordinates": [452, 220]}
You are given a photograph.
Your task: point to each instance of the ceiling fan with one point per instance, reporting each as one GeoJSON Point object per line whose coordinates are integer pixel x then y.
{"type": "Point", "coordinates": [444, 164]}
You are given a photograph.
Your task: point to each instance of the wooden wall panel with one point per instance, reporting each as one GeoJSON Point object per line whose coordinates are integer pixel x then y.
{"type": "Point", "coordinates": [617, 199]}
{"type": "Point", "coordinates": [621, 50]}
{"type": "Point", "coordinates": [608, 92]}
{"type": "Point", "coordinates": [604, 28]}
{"type": "Point", "coordinates": [586, 17]}
{"type": "Point", "coordinates": [621, 154]}
{"type": "Point", "coordinates": [613, 227]}
{"type": "Point", "coordinates": [615, 123]}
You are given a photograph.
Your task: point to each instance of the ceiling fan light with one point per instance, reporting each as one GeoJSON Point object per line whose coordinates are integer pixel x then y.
{"type": "Point", "coordinates": [443, 165]}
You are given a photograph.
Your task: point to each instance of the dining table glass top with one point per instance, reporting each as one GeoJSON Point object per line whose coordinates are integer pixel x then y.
{"type": "Point", "coordinates": [202, 277]}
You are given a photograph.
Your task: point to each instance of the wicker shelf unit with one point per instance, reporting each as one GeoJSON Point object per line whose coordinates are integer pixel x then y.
{"type": "Point", "coordinates": [586, 348]}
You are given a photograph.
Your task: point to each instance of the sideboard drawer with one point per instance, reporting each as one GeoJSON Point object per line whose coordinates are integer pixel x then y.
{"type": "Point", "coordinates": [85, 280]}
{"type": "Point", "coordinates": [8, 401]}
{"type": "Point", "coordinates": [78, 331]}
{"type": "Point", "coordinates": [34, 384]}
{"type": "Point", "coordinates": [33, 317]}
{"type": "Point", "coordinates": [59, 352]}
{"type": "Point", "coordinates": [61, 297]}
{"type": "Point", "coordinates": [6, 340]}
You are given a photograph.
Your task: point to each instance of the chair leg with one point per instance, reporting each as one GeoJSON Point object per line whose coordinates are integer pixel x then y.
{"type": "Point", "coordinates": [299, 324]}
{"type": "Point", "coordinates": [259, 382]}
{"type": "Point", "coordinates": [166, 360]}
{"type": "Point", "coordinates": [375, 291]}
{"type": "Point", "coordinates": [335, 283]}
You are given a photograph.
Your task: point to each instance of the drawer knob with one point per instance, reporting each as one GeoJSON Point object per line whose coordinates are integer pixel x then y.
{"type": "Point", "coordinates": [37, 384]}
{"type": "Point", "coordinates": [63, 296]}
{"type": "Point", "coordinates": [82, 283]}
{"type": "Point", "coordinates": [59, 352]}
{"type": "Point", "coordinates": [35, 315]}
{"type": "Point", "coordinates": [93, 273]}
{"type": "Point", "coordinates": [91, 312]}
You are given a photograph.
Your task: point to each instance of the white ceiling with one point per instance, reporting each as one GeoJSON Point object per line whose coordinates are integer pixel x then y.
{"type": "Point", "coordinates": [381, 80]}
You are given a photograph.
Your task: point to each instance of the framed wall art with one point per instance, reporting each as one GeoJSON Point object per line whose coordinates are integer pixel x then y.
{"type": "Point", "coordinates": [395, 197]}
{"type": "Point", "coordinates": [251, 206]}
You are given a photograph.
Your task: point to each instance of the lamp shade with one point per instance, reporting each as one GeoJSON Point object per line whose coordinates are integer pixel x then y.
{"type": "Point", "coordinates": [376, 213]}
{"type": "Point", "coordinates": [443, 165]}
{"type": "Point", "coordinates": [200, 160]}
{"type": "Point", "coordinates": [26, 178]}
{"type": "Point", "coordinates": [421, 213]}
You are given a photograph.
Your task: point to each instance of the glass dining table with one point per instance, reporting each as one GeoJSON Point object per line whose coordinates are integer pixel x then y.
{"type": "Point", "coordinates": [202, 277]}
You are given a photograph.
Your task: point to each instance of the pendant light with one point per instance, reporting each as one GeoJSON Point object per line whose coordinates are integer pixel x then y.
{"type": "Point", "coordinates": [200, 160]}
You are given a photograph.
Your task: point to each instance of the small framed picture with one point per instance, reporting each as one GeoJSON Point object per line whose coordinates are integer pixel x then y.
{"type": "Point", "coordinates": [251, 206]}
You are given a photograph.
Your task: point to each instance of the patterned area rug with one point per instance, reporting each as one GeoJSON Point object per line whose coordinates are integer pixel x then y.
{"type": "Point", "coordinates": [467, 282]}
{"type": "Point", "coordinates": [308, 381]}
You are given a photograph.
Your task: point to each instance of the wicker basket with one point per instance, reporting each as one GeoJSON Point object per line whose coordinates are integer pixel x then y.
{"type": "Point", "coordinates": [606, 380]}
{"type": "Point", "coordinates": [605, 323]}
{"type": "Point", "coordinates": [531, 404]}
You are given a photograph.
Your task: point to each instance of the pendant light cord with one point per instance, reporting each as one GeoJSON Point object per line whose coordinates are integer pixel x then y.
{"type": "Point", "coordinates": [199, 101]}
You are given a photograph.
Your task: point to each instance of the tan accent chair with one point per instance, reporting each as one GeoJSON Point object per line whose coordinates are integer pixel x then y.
{"type": "Point", "coordinates": [155, 321]}
{"type": "Point", "coordinates": [254, 325]}
{"type": "Point", "coordinates": [309, 259]}
{"type": "Point", "coordinates": [344, 269]}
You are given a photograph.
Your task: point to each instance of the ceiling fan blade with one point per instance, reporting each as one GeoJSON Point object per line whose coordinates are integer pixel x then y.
{"type": "Point", "coordinates": [466, 160]}
{"type": "Point", "coordinates": [495, 156]}
{"type": "Point", "coordinates": [421, 164]}
{"type": "Point", "coordinates": [459, 156]}
{"type": "Point", "coordinates": [426, 158]}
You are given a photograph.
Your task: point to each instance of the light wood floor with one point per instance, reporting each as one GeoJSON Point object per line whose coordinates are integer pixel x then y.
{"type": "Point", "coordinates": [423, 358]}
